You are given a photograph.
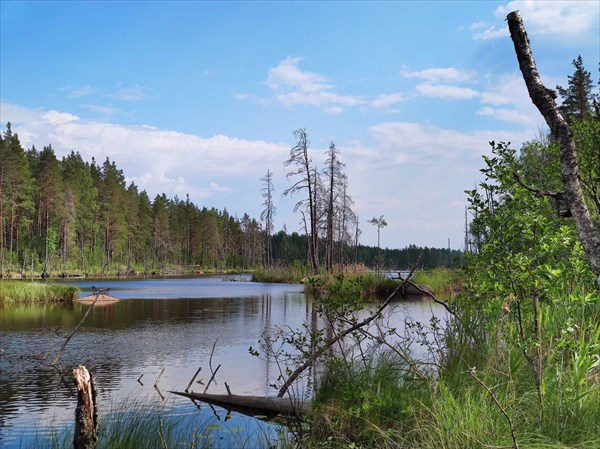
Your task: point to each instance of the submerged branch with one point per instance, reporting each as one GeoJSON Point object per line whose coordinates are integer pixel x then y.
{"type": "Point", "coordinates": [97, 293]}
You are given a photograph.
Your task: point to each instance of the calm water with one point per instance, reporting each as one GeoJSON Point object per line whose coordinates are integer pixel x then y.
{"type": "Point", "coordinates": [169, 324]}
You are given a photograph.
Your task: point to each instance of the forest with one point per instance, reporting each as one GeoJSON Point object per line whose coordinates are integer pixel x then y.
{"type": "Point", "coordinates": [69, 216]}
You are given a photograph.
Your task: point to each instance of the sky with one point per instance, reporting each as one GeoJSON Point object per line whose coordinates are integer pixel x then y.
{"type": "Point", "coordinates": [202, 98]}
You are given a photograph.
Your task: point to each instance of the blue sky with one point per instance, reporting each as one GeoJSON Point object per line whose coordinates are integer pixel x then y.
{"type": "Point", "coordinates": [203, 97]}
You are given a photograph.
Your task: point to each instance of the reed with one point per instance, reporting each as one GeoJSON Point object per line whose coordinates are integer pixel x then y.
{"type": "Point", "coordinates": [30, 292]}
{"type": "Point", "coordinates": [376, 402]}
{"type": "Point", "coordinates": [133, 425]}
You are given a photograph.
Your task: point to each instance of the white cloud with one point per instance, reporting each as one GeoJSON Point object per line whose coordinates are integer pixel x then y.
{"type": "Point", "coordinates": [157, 160]}
{"type": "Point", "coordinates": [571, 20]}
{"type": "Point", "coordinates": [319, 98]}
{"type": "Point", "coordinates": [478, 25]}
{"type": "Point", "coordinates": [385, 101]}
{"type": "Point", "coordinates": [218, 188]}
{"type": "Point", "coordinates": [59, 118]}
{"type": "Point", "coordinates": [288, 75]}
{"type": "Point", "coordinates": [446, 92]}
{"type": "Point", "coordinates": [508, 115]}
{"type": "Point", "coordinates": [491, 32]}
{"type": "Point", "coordinates": [415, 175]}
{"type": "Point", "coordinates": [421, 142]}
{"type": "Point", "coordinates": [293, 86]}
{"type": "Point", "coordinates": [333, 110]}
{"type": "Point", "coordinates": [510, 92]}
{"type": "Point", "coordinates": [494, 98]}
{"type": "Point", "coordinates": [441, 74]}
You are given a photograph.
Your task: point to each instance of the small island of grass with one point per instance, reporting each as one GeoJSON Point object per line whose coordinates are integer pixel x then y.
{"type": "Point", "coordinates": [31, 292]}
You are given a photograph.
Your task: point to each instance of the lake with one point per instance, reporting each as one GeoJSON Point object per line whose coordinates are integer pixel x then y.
{"type": "Point", "coordinates": [159, 324]}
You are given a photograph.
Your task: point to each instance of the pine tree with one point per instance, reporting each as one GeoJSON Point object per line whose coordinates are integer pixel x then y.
{"type": "Point", "coordinates": [578, 99]}
{"type": "Point", "coordinates": [16, 205]}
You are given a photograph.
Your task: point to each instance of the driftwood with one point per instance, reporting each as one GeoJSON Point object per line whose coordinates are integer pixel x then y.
{"type": "Point", "coordinates": [86, 412]}
{"type": "Point", "coordinates": [252, 405]}
{"type": "Point", "coordinates": [544, 100]}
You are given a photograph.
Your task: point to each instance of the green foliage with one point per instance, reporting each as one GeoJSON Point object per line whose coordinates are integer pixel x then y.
{"type": "Point", "coordinates": [527, 328]}
{"type": "Point", "coordinates": [19, 291]}
{"type": "Point", "coordinates": [443, 281]}
{"type": "Point", "coordinates": [356, 401]}
{"type": "Point", "coordinates": [293, 274]}
{"type": "Point", "coordinates": [578, 95]}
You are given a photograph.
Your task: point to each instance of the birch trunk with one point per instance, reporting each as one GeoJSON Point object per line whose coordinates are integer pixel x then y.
{"type": "Point", "coordinates": [543, 98]}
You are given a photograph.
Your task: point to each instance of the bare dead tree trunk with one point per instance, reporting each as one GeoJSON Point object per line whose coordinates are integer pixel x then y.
{"type": "Point", "coordinates": [86, 413]}
{"type": "Point", "coordinates": [543, 98]}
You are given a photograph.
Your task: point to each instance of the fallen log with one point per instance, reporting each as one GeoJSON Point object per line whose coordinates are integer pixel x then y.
{"type": "Point", "coordinates": [252, 405]}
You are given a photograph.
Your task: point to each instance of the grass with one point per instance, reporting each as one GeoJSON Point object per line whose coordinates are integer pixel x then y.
{"type": "Point", "coordinates": [293, 274]}
{"type": "Point", "coordinates": [444, 281]}
{"type": "Point", "coordinates": [375, 402]}
{"type": "Point", "coordinates": [133, 425]}
{"type": "Point", "coordinates": [30, 292]}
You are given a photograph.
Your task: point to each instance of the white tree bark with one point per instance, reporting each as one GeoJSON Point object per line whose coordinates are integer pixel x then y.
{"type": "Point", "coordinates": [543, 98]}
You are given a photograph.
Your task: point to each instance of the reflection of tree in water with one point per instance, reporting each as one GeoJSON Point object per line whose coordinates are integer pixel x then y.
{"type": "Point", "coordinates": [117, 343]}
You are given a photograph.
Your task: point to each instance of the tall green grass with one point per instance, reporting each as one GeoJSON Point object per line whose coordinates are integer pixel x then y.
{"type": "Point", "coordinates": [29, 292]}
{"type": "Point", "coordinates": [293, 274]}
{"type": "Point", "coordinates": [132, 425]}
{"type": "Point", "coordinates": [443, 281]}
{"type": "Point", "coordinates": [376, 402]}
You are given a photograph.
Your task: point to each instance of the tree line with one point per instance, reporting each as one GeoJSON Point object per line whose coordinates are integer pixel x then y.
{"type": "Point", "coordinates": [72, 216]}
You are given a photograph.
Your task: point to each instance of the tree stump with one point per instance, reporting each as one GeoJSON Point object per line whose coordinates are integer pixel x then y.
{"type": "Point", "coordinates": [86, 413]}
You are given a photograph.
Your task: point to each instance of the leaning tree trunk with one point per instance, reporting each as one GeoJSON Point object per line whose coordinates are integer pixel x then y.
{"type": "Point", "coordinates": [543, 98]}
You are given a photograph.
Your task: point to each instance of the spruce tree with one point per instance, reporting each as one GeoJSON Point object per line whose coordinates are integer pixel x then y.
{"type": "Point", "coordinates": [577, 97]}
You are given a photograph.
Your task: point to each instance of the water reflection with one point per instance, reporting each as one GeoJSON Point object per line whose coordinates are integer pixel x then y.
{"type": "Point", "coordinates": [168, 324]}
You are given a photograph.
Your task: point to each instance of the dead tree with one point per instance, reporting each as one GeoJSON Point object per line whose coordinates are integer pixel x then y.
{"type": "Point", "coordinates": [86, 413]}
{"type": "Point", "coordinates": [544, 100]}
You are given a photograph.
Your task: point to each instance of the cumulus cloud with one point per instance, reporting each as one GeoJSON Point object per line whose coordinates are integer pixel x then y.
{"type": "Point", "coordinates": [293, 86]}
{"type": "Point", "coordinates": [158, 160]}
{"type": "Point", "coordinates": [572, 20]}
{"type": "Point", "coordinates": [494, 98]}
{"type": "Point", "coordinates": [416, 174]}
{"type": "Point", "coordinates": [507, 115]}
{"type": "Point", "coordinates": [446, 92]}
{"type": "Point", "coordinates": [287, 75]}
{"type": "Point", "coordinates": [385, 101]}
{"type": "Point", "coordinates": [218, 188]}
{"type": "Point", "coordinates": [441, 74]}
{"type": "Point", "coordinates": [510, 92]}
